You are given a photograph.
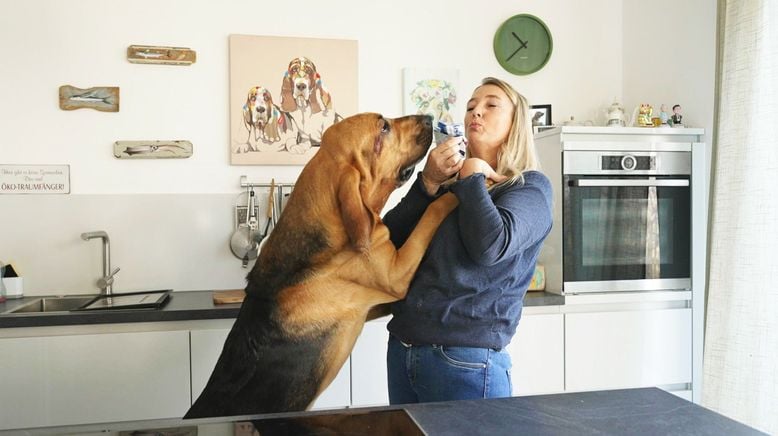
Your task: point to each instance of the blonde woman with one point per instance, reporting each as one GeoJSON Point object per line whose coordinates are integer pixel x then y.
{"type": "Point", "coordinates": [447, 337]}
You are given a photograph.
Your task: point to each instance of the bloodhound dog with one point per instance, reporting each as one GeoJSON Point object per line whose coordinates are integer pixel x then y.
{"type": "Point", "coordinates": [328, 262]}
{"type": "Point", "coordinates": [302, 88]}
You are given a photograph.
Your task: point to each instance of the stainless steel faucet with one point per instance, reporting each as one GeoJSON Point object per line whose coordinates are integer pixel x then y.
{"type": "Point", "coordinates": [105, 283]}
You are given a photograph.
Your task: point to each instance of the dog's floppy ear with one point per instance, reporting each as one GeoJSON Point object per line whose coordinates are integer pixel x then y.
{"type": "Point", "coordinates": [248, 116]}
{"type": "Point", "coordinates": [326, 98]}
{"type": "Point", "coordinates": [287, 98]}
{"type": "Point", "coordinates": [271, 129]}
{"type": "Point", "coordinates": [357, 219]}
{"type": "Point", "coordinates": [313, 98]}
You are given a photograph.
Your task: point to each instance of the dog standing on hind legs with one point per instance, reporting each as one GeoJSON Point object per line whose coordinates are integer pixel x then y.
{"type": "Point", "coordinates": [328, 262]}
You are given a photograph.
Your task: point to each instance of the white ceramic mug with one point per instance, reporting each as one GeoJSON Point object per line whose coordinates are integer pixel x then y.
{"type": "Point", "coordinates": [14, 287]}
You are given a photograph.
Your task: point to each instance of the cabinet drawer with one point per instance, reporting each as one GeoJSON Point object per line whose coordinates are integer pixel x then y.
{"type": "Point", "coordinates": [207, 347]}
{"type": "Point", "coordinates": [60, 380]}
{"type": "Point", "coordinates": [537, 353]}
{"type": "Point", "coordinates": [610, 350]}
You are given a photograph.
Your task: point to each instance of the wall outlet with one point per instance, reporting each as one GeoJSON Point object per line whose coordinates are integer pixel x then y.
{"type": "Point", "coordinates": [240, 214]}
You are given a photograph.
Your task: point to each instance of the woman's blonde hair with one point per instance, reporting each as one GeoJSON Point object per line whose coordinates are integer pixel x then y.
{"type": "Point", "coordinates": [518, 153]}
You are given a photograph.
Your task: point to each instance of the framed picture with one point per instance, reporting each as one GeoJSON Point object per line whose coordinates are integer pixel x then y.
{"type": "Point", "coordinates": [284, 92]}
{"type": "Point", "coordinates": [538, 129]}
{"type": "Point", "coordinates": [432, 92]}
{"type": "Point", "coordinates": [541, 115]}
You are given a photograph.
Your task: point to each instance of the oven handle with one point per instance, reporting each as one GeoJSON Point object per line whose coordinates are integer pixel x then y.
{"type": "Point", "coordinates": [629, 182]}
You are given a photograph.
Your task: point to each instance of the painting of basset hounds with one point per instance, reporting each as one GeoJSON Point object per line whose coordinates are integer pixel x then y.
{"type": "Point", "coordinates": [327, 268]}
{"type": "Point", "coordinates": [284, 93]}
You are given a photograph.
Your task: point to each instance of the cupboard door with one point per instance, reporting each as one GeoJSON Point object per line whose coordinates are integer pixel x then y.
{"type": "Point", "coordinates": [60, 380]}
{"type": "Point", "coordinates": [611, 350]}
{"type": "Point", "coordinates": [207, 347]}
{"type": "Point", "coordinates": [338, 393]}
{"type": "Point", "coordinates": [537, 353]}
{"type": "Point", "coordinates": [368, 363]}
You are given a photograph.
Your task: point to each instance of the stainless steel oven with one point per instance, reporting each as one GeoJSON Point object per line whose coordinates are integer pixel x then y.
{"type": "Point", "coordinates": [626, 220]}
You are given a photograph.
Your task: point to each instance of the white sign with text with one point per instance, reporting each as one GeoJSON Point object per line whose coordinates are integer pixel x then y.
{"type": "Point", "coordinates": [34, 179]}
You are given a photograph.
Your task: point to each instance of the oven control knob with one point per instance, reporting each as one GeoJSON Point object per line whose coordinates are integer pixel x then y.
{"type": "Point", "coordinates": [629, 162]}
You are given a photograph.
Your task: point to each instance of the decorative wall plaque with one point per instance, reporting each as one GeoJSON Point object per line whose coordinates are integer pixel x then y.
{"type": "Point", "coordinates": [152, 149]}
{"type": "Point", "coordinates": [101, 98]}
{"type": "Point", "coordinates": [34, 179]}
{"type": "Point", "coordinates": [147, 54]}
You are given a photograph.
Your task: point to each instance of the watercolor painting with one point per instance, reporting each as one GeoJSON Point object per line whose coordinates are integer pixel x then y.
{"type": "Point", "coordinates": [432, 92]}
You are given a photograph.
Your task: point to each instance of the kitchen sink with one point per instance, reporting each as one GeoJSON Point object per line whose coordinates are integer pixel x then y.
{"type": "Point", "coordinates": [85, 303]}
{"type": "Point", "coordinates": [53, 304]}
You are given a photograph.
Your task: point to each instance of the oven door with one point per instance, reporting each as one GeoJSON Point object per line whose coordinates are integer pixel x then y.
{"type": "Point", "coordinates": [626, 233]}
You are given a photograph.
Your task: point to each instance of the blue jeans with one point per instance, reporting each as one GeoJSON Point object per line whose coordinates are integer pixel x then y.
{"type": "Point", "coordinates": [424, 373]}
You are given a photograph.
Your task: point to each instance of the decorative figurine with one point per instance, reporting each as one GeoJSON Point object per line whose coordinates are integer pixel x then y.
{"type": "Point", "coordinates": [616, 117]}
{"type": "Point", "coordinates": [677, 118]}
{"type": "Point", "coordinates": [663, 118]}
{"type": "Point", "coordinates": [644, 115]}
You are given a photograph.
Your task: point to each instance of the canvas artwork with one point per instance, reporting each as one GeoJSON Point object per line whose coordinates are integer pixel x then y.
{"type": "Point", "coordinates": [152, 149]}
{"type": "Point", "coordinates": [101, 98]}
{"type": "Point", "coordinates": [432, 92]}
{"type": "Point", "coordinates": [284, 93]}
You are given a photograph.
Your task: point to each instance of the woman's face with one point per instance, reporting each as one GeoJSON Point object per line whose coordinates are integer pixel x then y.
{"type": "Point", "coordinates": [488, 120]}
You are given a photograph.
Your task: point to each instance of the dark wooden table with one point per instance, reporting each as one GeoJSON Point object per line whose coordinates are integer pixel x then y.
{"type": "Point", "coordinates": [646, 411]}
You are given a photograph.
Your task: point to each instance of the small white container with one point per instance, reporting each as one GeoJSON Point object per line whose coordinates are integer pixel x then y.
{"type": "Point", "coordinates": [14, 287]}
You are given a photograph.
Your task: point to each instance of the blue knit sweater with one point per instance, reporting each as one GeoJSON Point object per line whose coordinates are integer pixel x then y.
{"type": "Point", "coordinates": [469, 287]}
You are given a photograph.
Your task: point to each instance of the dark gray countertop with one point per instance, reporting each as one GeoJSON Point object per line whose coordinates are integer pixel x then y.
{"type": "Point", "coordinates": [182, 306]}
{"type": "Point", "coordinates": [646, 411]}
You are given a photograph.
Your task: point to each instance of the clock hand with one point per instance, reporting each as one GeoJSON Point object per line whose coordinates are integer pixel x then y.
{"type": "Point", "coordinates": [523, 43]}
{"type": "Point", "coordinates": [512, 54]}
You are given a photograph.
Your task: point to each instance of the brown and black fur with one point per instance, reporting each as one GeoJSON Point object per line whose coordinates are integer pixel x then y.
{"type": "Point", "coordinates": [328, 262]}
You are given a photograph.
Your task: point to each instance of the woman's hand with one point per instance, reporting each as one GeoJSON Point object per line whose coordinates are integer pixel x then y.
{"type": "Point", "coordinates": [443, 162]}
{"type": "Point", "coordinates": [475, 165]}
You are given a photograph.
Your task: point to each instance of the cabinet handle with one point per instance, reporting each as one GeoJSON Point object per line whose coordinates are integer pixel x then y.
{"type": "Point", "coordinates": [628, 182]}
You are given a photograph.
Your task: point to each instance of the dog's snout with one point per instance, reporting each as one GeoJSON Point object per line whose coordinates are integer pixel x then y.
{"type": "Point", "coordinates": [261, 109]}
{"type": "Point", "coordinates": [301, 86]}
{"type": "Point", "coordinates": [427, 121]}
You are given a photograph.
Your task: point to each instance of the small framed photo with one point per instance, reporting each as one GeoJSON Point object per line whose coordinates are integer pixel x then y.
{"type": "Point", "coordinates": [538, 129]}
{"type": "Point", "coordinates": [541, 115]}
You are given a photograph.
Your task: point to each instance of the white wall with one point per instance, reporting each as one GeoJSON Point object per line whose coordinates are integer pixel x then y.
{"type": "Point", "coordinates": [48, 43]}
{"type": "Point", "coordinates": [669, 57]}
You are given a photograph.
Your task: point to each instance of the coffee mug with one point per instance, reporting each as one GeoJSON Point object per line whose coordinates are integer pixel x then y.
{"type": "Point", "coordinates": [14, 287]}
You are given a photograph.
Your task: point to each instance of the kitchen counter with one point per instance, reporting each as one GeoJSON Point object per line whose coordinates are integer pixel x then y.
{"type": "Point", "coordinates": [182, 306]}
{"type": "Point", "coordinates": [615, 412]}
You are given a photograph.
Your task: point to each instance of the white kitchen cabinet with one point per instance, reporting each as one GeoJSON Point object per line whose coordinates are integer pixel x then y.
{"type": "Point", "coordinates": [627, 349]}
{"type": "Point", "coordinates": [338, 393]}
{"type": "Point", "coordinates": [368, 366]}
{"type": "Point", "coordinates": [206, 346]}
{"type": "Point", "coordinates": [537, 352]}
{"type": "Point", "coordinates": [60, 380]}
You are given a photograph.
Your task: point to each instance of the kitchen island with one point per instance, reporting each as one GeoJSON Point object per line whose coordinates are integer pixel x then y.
{"type": "Point", "coordinates": [615, 412]}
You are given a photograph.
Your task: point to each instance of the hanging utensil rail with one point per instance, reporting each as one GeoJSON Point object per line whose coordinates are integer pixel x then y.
{"type": "Point", "coordinates": [244, 183]}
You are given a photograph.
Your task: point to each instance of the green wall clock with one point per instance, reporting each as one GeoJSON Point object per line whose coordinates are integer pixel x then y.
{"type": "Point", "coordinates": [523, 44]}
